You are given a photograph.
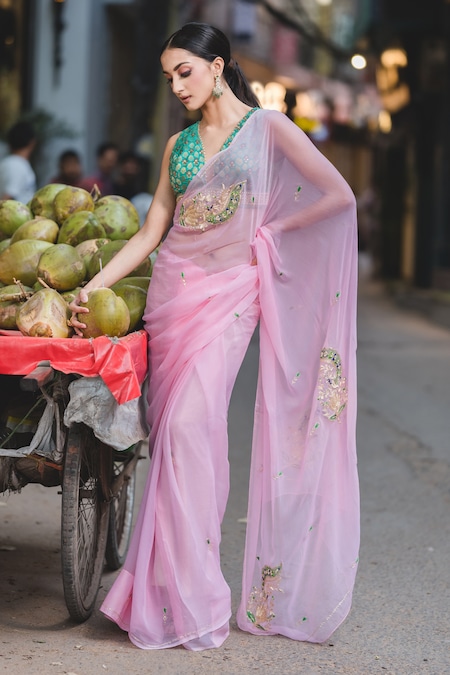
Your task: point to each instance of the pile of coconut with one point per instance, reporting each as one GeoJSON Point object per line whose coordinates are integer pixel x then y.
{"type": "Point", "coordinates": [51, 247]}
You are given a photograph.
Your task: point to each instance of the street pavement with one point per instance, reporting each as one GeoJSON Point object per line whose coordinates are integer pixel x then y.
{"type": "Point", "coordinates": [400, 620]}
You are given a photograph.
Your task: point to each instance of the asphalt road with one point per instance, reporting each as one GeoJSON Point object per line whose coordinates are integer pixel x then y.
{"type": "Point", "coordinates": [400, 621]}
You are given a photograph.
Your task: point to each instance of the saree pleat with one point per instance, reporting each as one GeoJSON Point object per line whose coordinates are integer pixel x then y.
{"type": "Point", "coordinates": [228, 261]}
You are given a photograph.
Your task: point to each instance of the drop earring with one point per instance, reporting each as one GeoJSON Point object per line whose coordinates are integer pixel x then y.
{"type": "Point", "coordinates": [218, 88]}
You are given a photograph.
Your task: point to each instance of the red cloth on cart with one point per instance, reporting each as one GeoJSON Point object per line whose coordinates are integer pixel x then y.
{"type": "Point", "coordinates": [121, 362]}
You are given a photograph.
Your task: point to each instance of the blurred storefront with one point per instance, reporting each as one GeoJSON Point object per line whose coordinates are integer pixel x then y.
{"type": "Point", "coordinates": [381, 117]}
{"type": "Point", "coordinates": [15, 53]}
{"type": "Point", "coordinates": [82, 67]}
{"type": "Point", "coordinates": [412, 42]}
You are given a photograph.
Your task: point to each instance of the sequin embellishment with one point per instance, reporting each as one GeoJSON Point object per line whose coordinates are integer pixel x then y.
{"type": "Point", "coordinates": [260, 608]}
{"type": "Point", "coordinates": [207, 209]}
{"type": "Point", "coordinates": [332, 386]}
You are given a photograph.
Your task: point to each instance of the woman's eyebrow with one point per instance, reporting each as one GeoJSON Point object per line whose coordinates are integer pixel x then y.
{"type": "Point", "coordinates": [176, 67]}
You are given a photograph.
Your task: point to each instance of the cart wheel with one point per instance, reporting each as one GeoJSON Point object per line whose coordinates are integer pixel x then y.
{"type": "Point", "coordinates": [84, 519]}
{"type": "Point", "coordinates": [121, 512]}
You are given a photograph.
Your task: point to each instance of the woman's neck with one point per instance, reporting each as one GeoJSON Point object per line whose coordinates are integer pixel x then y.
{"type": "Point", "coordinates": [221, 114]}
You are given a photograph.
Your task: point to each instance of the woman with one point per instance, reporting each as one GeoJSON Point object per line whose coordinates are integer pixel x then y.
{"type": "Point", "coordinates": [263, 229]}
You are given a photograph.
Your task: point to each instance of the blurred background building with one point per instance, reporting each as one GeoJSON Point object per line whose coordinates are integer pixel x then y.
{"type": "Point", "coordinates": [367, 80]}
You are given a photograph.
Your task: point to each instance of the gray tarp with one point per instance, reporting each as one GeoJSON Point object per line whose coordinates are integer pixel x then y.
{"type": "Point", "coordinates": [92, 403]}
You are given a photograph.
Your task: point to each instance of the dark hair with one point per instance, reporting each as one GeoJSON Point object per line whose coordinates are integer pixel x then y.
{"type": "Point", "coordinates": [68, 154]}
{"type": "Point", "coordinates": [104, 147]}
{"type": "Point", "coordinates": [126, 155]}
{"type": "Point", "coordinates": [20, 135]}
{"type": "Point", "coordinates": [208, 43]}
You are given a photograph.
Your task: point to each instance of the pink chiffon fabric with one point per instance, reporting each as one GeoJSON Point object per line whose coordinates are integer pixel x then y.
{"type": "Point", "coordinates": [254, 238]}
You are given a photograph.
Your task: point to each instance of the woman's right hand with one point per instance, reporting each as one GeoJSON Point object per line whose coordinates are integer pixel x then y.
{"type": "Point", "coordinates": [77, 309]}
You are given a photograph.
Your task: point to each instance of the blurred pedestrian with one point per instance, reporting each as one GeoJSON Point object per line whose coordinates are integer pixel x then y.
{"type": "Point", "coordinates": [107, 159]}
{"type": "Point", "coordinates": [17, 177]}
{"type": "Point", "coordinates": [70, 169]}
{"type": "Point", "coordinates": [129, 181]}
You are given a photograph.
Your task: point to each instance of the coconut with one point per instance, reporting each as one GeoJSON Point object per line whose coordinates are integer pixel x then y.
{"type": "Point", "coordinates": [20, 261]}
{"type": "Point", "coordinates": [12, 215]}
{"type": "Point", "coordinates": [108, 314]}
{"type": "Point", "coordinates": [118, 216]}
{"type": "Point", "coordinates": [61, 267]}
{"type": "Point", "coordinates": [107, 253]}
{"type": "Point", "coordinates": [135, 299]}
{"type": "Point", "coordinates": [15, 292]}
{"type": "Point", "coordinates": [42, 202]}
{"type": "Point", "coordinates": [87, 248]}
{"type": "Point", "coordinates": [8, 311]}
{"type": "Point", "coordinates": [78, 227]}
{"type": "Point", "coordinates": [70, 295]}
{"type": "Point", "coordinates": [71, 200]}
{"type": "Point", "coordinates": [45, 314]}
{"type": "Point", "coordinates": [4, 244]}
{"type": "Point", "coordinates": [38, 228]}
{"type": "Point", "coordinates": [142, 282]}
{"type": "Point", "coordinates": [11, 298]}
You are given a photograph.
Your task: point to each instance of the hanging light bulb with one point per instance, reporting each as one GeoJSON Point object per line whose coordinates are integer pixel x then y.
{"type": "Point", "coordinates": [358, 61]}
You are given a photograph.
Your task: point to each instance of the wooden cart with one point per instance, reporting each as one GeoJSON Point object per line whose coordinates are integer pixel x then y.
{"type": "Point", "coordinates": [97, 480]}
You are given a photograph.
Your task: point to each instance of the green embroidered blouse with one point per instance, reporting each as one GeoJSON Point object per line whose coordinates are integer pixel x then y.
{"type": "Point", "coordinates": [187, 157]}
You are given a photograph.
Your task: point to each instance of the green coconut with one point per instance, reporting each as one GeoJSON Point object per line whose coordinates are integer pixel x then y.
{"type": "Point", "coordinates": [4, 244]}
{"type": "Point", "coordinates": [141, 282]}
{"type": "Point", "coordinates": [42, 202]}
{"type": "Point", "coordinates": [37, 228]}
{"type": "Point", "coordinates": [118, 216]}
{"type": "Point", "coordinates": [80, 226]}
{"type": "Point", "coordinates": [12, 215]}
{"type": "Point", "coordinates": [108, 314]}
{"type": "Point", "coordinates": [11, 299]}
{"type": "Point", "coordinates": [38, 286]}
{"type": "Point", "coordinates": [71, 200]}
{"type": "Point", "coordinates": [107, 253]}
{"type": "Point", "coordinates": [15, 292]}
{"type": "Point", "coordinates": [61, 267]}
{"type": "Point", "coordinates": [135, 299]}
{"type": "Point", "coordinates": [70, 295]}
{"type": "Point", "coordinates": [8, 312]}
{"type": "Point", "coordinates": [20, 261]}
{"type": "Point", "coordinates": [45, 314]}
{"type": "Point", "coordinates": [87, 248]}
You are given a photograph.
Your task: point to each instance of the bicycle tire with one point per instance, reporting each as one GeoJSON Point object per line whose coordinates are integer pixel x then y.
{"type": "Point", "coordinates": [84, 519]}
{"type": "Point", "coordinates": [120, 520]}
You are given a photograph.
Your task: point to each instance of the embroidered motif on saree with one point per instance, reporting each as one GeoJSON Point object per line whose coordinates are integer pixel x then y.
{"type": "Point", "coordinates": [210, 208]}
{"type": "Point", "coordinates": [261, 603]}
{"type": "Point", "coordinates": [332, 386]}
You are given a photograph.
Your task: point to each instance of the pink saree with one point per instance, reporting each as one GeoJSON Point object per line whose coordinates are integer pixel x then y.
{"type": "Point", "coordinates": [265, 231]}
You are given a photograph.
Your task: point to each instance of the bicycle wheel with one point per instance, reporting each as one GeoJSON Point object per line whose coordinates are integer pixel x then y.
{"type": "Point", "coordinates": [121, 512]}
{"type": "Point", "coordinates": [84, 519]}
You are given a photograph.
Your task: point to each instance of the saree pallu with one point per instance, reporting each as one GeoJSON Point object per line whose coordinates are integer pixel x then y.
{"type": "Point", "coordinates": [228, 261]}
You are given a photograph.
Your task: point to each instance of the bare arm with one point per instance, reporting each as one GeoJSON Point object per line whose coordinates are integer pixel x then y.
{"type": "Point", "coordinates": [140, 246]}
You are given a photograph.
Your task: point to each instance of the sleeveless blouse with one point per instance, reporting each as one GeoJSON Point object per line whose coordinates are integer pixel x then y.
{"type": "Point", "coordinates": [188, 156]}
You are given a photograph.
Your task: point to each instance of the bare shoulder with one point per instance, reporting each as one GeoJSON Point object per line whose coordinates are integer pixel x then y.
{"type": "Point", "coordinates": [172, 140]}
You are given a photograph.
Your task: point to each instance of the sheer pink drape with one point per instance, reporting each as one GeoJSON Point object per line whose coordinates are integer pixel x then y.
{"type": "Point", "coordinates": [270, 198]}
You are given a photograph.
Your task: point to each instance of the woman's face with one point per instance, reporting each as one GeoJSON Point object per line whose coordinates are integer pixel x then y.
{"type": "Point", "coordinates": [190, 77]}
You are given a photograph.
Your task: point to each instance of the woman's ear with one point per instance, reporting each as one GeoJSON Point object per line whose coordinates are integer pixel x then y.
{"type": "Point", "coordinates": [218, 65]}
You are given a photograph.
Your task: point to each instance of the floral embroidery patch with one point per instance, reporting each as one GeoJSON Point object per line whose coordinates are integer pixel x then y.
{"type": "Point", "coordinates": [211, 208]}
{"type": "Point", "coordinates": [332, 386]}
{"type": "Point", "coordinates": [261, 603]}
